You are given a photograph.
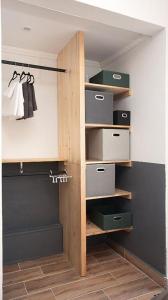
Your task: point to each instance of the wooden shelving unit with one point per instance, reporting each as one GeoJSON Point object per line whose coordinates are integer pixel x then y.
{"type": "Point", "coordinates": [93, 125]}
{"type": "Point", "coordinates": [118, 193]}
{"type": "Point", "coordinates": [119, 92]}
{"type": "Point", "coordinates": [72, 132]}
{"type": "Point", "coordinates": [93, 229]}
{"type": "Point", "coordinates": [125, 163]}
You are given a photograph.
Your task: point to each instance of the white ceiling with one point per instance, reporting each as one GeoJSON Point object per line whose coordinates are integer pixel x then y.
{"type": "Point", "coordinates": [50, 31]}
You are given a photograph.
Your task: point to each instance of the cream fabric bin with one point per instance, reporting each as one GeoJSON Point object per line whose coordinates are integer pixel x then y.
{"type": "Point", "coordinates": [108, 144]}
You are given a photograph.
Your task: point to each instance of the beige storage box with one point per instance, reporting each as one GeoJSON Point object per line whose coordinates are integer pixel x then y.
{"type": "Point", "coordinates": [108, 144]}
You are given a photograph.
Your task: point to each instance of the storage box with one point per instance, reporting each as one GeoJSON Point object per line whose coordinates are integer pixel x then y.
{"type": "Point", "coordinates": [100, 180]}
{"type": "Point", "coordinates": [108, 144]}
{"type": "Point", "coordinates": [121, 117]}
{"type": "Point", "coordinates": [99, 107]}
{"type": "Point", "coordinates": [107, 217]}
{"type": "Point", "coordinates": [111, 78]}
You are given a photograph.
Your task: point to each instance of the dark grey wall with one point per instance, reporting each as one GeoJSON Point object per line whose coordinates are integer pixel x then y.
{"type": "Point", "coordinates": [147, 240]}
{"type": "Point", "coordinates": [30, 212]}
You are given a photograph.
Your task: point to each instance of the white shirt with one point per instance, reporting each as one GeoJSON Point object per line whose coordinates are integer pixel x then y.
{"type": "Point", "coordinates": [13, 102]}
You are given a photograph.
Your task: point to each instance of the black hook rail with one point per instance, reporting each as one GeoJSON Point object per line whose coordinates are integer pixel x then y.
{"type": "Point", "coordinates": [16, 63]}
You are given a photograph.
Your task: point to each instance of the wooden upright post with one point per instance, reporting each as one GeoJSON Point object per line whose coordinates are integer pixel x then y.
{"type": "Point", "coordinates": [71, 112]}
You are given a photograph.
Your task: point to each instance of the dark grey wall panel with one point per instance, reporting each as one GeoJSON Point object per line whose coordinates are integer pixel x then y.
{"type": "Point", "coordinates": [43, 241]}
{"type": "Point", "coordinates": [30, 202]}
{"type": "Point", "coordinates": [147, 240]}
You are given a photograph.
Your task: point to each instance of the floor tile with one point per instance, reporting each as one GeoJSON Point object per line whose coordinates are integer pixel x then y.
{"type": "Point", "coordinates": [42, 261]}
{"type": "Point", "coordinates": [131, 289]}
{"type": "Point", "coordinates": [51, 281]}
{"type": "Point", "coordinates": [101, 268]}
{"type": "Point", "coordinates": [19, 276]}
{"type": "Point", "coordinates": [55, 268]}
{"type": "Point", "coordinates": [127, 274]}
{"type": "Point", "coordinates": [13, 291]}
{"type": "Point", "coordinates": [149, 296]}
{"type": "Point", "coordinates": [10, 268]}
{"type": "Point", "coordinates": [91, 259]}
{"type": "Point", "coordinates": [99, 295]}
{"type": "Point", "coordinates": [106, 255]}
{"type": "Point", "coordinates": [83, 286]}
{"type": "Point", "coordinates": [46, 295]}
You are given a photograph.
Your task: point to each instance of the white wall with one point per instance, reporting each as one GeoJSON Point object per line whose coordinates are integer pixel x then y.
{"type": "Point", "coordinates": [146, 66]}
{"type": "Point", "coordinates": [34, 137]}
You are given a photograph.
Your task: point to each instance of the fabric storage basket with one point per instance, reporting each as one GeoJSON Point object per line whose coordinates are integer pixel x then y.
{"type": "Point", "coordinates": [107, 217]}
{"type": "Point", "coordinates": [121, 117]}
{"type": "Point", "coordinates": [108, 144]}
{"type": "Point", "coordinates": [100, 180]}
{"type": "Point", "coordinates": [111, 78]}
{"type": "Point", "coordinates": [99, 107]}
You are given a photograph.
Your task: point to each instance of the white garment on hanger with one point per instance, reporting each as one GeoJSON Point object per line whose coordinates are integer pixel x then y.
{"type": "Point", "coordinates": [13, 104]}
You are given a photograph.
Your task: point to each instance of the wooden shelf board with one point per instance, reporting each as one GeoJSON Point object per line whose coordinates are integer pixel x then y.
{"type": "Point", "coordinates": [117, 91]}
{"type": "Point", "coordinates": [127, 163]}
{"type": "Point", "coordinates": [93, 229]}
{"type": "Point", "coordinates": [17, 160]}
{"type": "Point", "coordinates": [118, 193]}
{"type": "Point", "coordinates": [93, 125]}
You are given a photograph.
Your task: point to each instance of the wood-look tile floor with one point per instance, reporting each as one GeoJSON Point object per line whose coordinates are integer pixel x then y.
{"type": "Point", "coordinates": [109, 276]}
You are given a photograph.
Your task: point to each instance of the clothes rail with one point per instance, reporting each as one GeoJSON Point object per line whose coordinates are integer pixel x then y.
{"type": "Point", "coordinates": [16, 63]}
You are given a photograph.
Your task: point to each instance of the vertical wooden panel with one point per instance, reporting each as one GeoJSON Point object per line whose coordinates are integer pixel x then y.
{"type": "Point", "coordinates": [71, 110]}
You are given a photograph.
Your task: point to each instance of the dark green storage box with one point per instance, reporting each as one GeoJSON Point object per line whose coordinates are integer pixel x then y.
{"type": "Point", "coordinates": [111, 78]}
{"type": "Point", "coordinates": [108, 217]}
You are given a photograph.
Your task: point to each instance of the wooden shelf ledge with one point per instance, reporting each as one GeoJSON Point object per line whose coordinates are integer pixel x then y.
{"type": "Point", "coordinates": [93, 229]}
{"type": "Point", "coordinates": [93, 125]}
{"type": "Point", "coordinates": [118, 193]}
{"type": "Point", "coordinates": [31, 160]}
{"type": "Point", "coordinates": [119, 92]}
{"type": "Point", "coordinates": [124, 163]}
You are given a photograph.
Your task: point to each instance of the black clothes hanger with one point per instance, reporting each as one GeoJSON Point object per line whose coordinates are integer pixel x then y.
{"type": "Point", "coordinates": [30, 78]}
{"type": "Point", "coordinates": [22, 76]}
{"type": "Point", "coordinates": [15, 74]}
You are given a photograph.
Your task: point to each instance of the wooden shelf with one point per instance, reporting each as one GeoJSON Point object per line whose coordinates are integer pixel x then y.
{"type": "Point", "coordinates": [93, 229]}
{"type": "Point", "coordinates": [17, 160]}
{"type": "Point", "coordinates": [125, 163]}
{"type": "Point", "coordinates": [93, 125]}
{"type": "Point", "coordinates": [119, 92]}
{"type": "Point", "coordinates": [118, 193]}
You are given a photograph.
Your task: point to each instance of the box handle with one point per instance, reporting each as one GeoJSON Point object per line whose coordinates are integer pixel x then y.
{"type": "Point", "coordinates": [100, 169]}
{"type": "Point", "coordinates": [124, 115]}
{"type": "Point", "coordinates": [116, 134]}
{"type": "Point", "coordinates": [117, 218]}
{"type": "Point", "coordinates": [117, 76]}
{"type": "Point", "coordinates": [99, 97]}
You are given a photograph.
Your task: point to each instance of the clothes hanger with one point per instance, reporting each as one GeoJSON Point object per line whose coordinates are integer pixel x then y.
{"type": "Point", "coordinates": [30, 78]}
{"type": "Point", "coordinates": [15, 74]}
{"type": "Point", "coordinates": [22, 76]}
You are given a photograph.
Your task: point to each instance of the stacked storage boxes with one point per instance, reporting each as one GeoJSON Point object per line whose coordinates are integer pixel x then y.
{"type": "Point", "coordinates": [105, 144]}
